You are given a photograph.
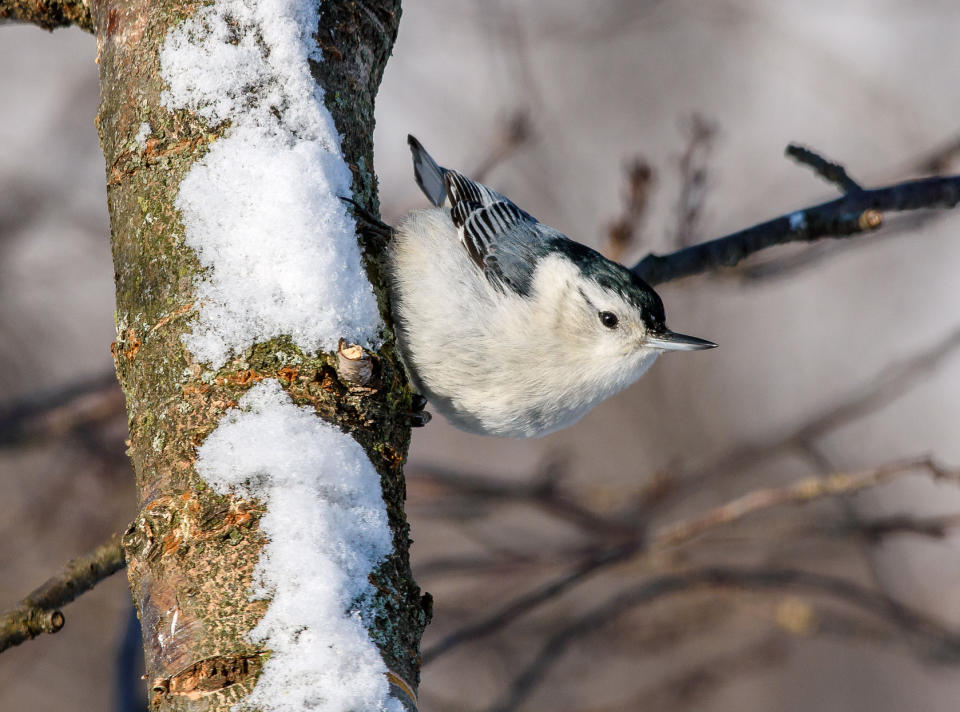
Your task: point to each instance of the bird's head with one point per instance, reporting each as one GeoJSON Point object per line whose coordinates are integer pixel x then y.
{"type": "Point", "coordinates": [611, 317]}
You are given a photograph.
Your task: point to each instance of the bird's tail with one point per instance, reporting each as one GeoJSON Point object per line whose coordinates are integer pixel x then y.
{"type": "Point", "coordinates": [428, 174]}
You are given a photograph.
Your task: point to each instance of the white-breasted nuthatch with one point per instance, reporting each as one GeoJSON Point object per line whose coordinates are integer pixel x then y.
{"type": "Point", "coordinates": [507, 326]}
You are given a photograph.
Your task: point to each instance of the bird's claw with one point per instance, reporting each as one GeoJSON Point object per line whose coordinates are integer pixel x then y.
{"type": "Point", "coordinates": [419, 419]}
{"type": "Point", "coordinates": [417, 402]}
{"type": "Point", "coordinates": [370, 223]}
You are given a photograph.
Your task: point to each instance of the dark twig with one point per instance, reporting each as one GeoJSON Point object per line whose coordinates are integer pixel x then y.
{"type": "Point", "coordinates": [936, 162]}
{"type": "Point", "coordinates": [828, 170]}
{"type": "Point", "coordinates": [852, 214]}
{"type": "Point", "coordinates": [876, 530]}
{"type": "Point", "coordinates": [591, 565]}
{"type": "Point", "coordinates": [679, 533]}
{"type": "Point", "coordinates": [941, 641]}
{"type": "Point", "coordinates": [809, 257]}
{"type": "Point", "coordinates": [541, 492]}
{"type": "Point", "coordinates": [40, 611]}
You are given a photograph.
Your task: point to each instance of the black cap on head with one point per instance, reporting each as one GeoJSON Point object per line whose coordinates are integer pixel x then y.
{"type": "Point", "coordinates": [619, 279]}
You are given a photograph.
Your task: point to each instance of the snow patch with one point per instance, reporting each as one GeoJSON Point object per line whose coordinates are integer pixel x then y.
{"type": "Point", "coordinates": [326, 526]}
{"type": "Point", "coordinates": [261, 208]}
{"type": "Point", "coordinates": [141, 138]}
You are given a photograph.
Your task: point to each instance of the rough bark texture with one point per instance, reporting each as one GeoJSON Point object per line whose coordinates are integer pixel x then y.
{"type": "Point", "coordinates": [190, 552]}
{"type": "Point", "coordinates": [48, 14]}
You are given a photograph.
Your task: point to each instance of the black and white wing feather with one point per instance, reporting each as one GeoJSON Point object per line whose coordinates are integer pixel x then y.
{"type": "Point", "coordinates": [428, 174]}
{"type": "Point", "coordinates": [501, 239]}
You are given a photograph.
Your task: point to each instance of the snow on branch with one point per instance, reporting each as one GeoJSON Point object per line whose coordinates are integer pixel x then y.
{"type": "Point", "coordinates": [262, 211]}
{"type": "Point", "coordinates": [261, 208]}
{"type": "Point", "coordinates": [326, 526]}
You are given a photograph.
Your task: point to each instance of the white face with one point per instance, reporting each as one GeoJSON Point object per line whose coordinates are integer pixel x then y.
{"type": "Point", "coordinates": [613, 327]}
{"type": "Point", "coordinates": [588, 327]}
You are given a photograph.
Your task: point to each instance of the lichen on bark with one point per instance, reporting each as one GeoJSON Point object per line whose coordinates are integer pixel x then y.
{"type": "Point", "coordinates": [48, 14]}
{"type": "Point", "coordinates": [190, 551]}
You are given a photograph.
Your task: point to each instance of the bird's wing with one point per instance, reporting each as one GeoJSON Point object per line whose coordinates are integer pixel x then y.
{"type": "Point", "coordinates": [501, 239]}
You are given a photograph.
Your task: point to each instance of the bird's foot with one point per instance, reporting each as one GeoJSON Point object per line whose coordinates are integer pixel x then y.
{"type": "Point", "coordinates": [369, 223]}
{"type": "Point", "coordinates": [419, 419]}
{"type": "Point", "coordinates": [417, 402]}
{"type": "Point", "coordinates": [417, 416]}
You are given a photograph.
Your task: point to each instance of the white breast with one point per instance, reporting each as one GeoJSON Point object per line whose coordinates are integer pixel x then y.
{"type": "Point", "coordinates": [491, 362]}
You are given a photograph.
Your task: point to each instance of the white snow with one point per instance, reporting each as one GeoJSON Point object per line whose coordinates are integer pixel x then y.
{"type": "Point", "coordinates": [141, 138]}
{"type": "Point", "coordinates": [326, 526]}
{"type": "Point", "coordinates": [280, 257]}
{"type": "Point", "coordinates": [261, 208]}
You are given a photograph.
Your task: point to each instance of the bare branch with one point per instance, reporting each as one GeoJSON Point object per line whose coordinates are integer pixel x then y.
{"type": "Point", "coordinates": [939, 640]}
{"type": "Point", "coordinates": [935, 162]}
{"type": "Point", "coordinates": [874, 531]}
{"type": "Point", "coordinates": [40, 611]}
{"type": "Point", "coordinates": [856, 212]}
{"type": "Point", "coordinates": [890, 383]}
{"type": "Point", "coordinates": [48, 14]}
{"type": "Point", "coordinates": [590, 566]}
{"type": "Point", "coordinates": [802, 492]}
{"type": "Point", "coordinates": [594, 562]}
{"type": "Point", "coordinates": [541, 492]}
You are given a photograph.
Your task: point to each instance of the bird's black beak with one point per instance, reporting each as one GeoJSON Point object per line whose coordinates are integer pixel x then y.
{"type": "Point", "coordinates": [671, 341]}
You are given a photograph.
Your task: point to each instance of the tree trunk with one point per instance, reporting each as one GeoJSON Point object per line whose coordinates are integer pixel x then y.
{"type": "Point", "coordinates": [191, 552]}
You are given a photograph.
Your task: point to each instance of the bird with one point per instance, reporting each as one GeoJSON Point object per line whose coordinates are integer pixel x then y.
{"type": "Point", "coordinates": [506, 326]}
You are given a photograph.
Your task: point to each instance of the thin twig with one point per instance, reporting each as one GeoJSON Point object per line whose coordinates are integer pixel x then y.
{"type": "Point", "coordinates": [889, 383]}
{"type": "Point", "coordinates": [679, 533]}
{"type": "Point", "coordinates": [801, 492]}
{"type": "Point", "coordinates": [934, 163]}
{"type": "Point", "coordinates": [828, 170]}
{"type": "Point", "coordinates": [40, 611]}
{"type": "Point", "coordinates": [527, 602]}
{"type": "Point", "coordinates": [941, 641]}
{"type": "Point", "coordinates": [541, 492]}
{"type": "Point", "coordinates": [852, 214]}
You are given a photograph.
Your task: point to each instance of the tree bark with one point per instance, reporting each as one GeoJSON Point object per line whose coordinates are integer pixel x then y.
{"type": "Point", "coordinates": [48, 14]}
{"type": "Point", "coordinates": [190, 553]}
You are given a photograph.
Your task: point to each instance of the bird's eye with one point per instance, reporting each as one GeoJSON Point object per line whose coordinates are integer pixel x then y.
{"type": "Point", "coordinates": [609, 319]}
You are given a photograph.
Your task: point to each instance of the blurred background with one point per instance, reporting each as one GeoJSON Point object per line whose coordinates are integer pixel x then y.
{"type": "Point", "coordinates": [578, 572]}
